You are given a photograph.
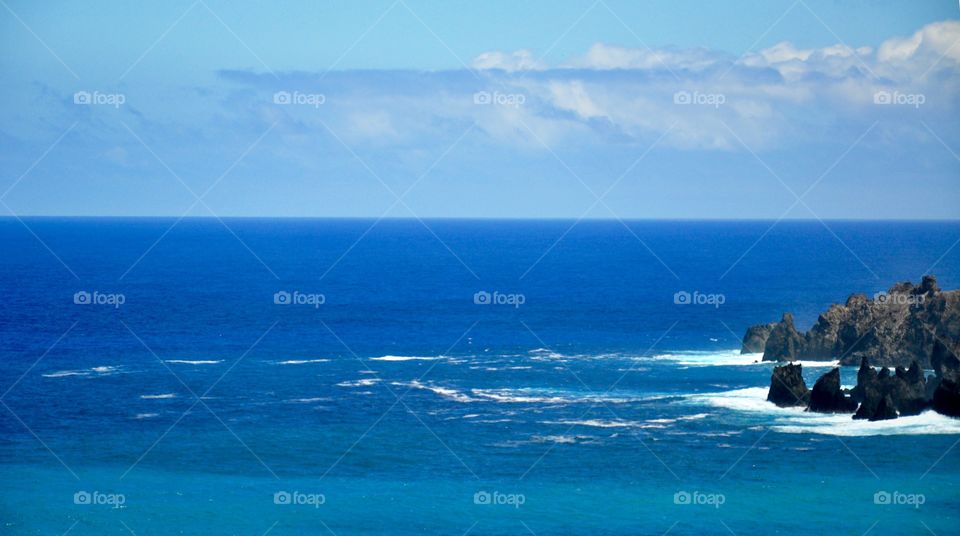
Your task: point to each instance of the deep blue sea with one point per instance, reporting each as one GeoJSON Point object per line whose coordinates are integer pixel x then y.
{"type": "Point", "coordinates": [269, 376]}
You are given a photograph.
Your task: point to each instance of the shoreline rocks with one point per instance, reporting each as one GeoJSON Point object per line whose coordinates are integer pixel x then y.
{"type": "Point", "coordinates": [787, 387]}
{"type": "Point", "coordinates": [894, 328]}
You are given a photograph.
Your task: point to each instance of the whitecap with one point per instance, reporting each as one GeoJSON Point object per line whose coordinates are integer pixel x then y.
{"type": "Point", "coordinates": [145, 415]}
{"type": "Point", "coordinates": [405, 358]}
{"type": "Point", "coordinates": [193, 362]}
{"type": "Point", "coordinates": [66, 373]}
{"type": "Point", "coordinates": [307, 400]}
{"type": "Point", "coordinates": [302, 361]}
{"type": "Point", "coordinates": [442, 391]}
{"type": "Point", "coordinates": [365, 382]}
{"type": "Point", "coordinates": [163, 396]}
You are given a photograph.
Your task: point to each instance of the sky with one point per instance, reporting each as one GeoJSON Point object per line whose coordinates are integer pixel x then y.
{"type": "Point", "coordinates": [527, 109]}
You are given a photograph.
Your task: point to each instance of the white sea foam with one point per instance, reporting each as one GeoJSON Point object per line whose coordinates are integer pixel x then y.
{"type": "Point", "coordinates": [753, 400]}
{"type": "Point", "coordinates": [599, 423]}
{"type": "Point", "coordinates": [307, 400]}
{"type": "Point", "coordinates": [727, 358]}
{"type": "Point", "coordinates": [302, 361]}
{"type": "Point", "coordinates": [542, 396]}
{"type": "Point", "coordinates": [365, 382]}
{"type": "Point", "coordinates": [163, 396]}
{"type": "Point", "coordinates": [442, 391]}
{"type": "Point", "coordinates": [145, 415]}
{"type": "Point", "coordinates": [193, 362]}
{"type": "Point", "coordinates": [105, 370]}
{"type": "Point", "coordinates": [405, 358]}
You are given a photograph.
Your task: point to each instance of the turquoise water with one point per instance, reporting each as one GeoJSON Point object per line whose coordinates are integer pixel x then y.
{"type": "Point", "coordinates": [400, 406]}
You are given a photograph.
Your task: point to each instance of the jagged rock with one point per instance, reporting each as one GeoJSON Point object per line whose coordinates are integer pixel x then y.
{"type": "Point", "coordinates": [905, 392]}
{"type": "Point", "coordinates": [946, 399]}
{"type": "Point", "coordinates": [885, 410]}
{"type": "Point", "coordinates": [827, 397]}
{"type": "Point", "coordinates": [756, 337]}
{"type": "Point", "coordinates": [946, 396]}
{"type": "Point", "coordinates": [787, 387]}
{"type": "Point", "coordinates": [784, 342]}
{"type": "Point", "coordinates": [894, 328]}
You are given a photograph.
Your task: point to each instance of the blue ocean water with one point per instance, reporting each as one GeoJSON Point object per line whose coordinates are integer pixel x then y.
{"type": "Point", "coordinates": [577, 396]}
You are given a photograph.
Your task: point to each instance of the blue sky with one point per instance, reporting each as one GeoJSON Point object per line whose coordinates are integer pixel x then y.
{"type": "Point", "coordinates": [754, 109]}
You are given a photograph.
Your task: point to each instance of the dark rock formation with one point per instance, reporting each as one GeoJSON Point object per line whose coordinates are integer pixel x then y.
{"type": "Point", "coordinates": [885, 410]}
{"type": "Point", "coordinates": [756, 338]}
{"type": "Point", "coordinates": [946, 395]}
{"type": "Point", "coordinates": [894, 328]}
{"type": "Point", "coordinates": [787, 387]}
{"type": "Point", "coordinates": [882, 395]}
{"type": "Point", "coordinates": [827, 397]}
{"type": "Point", "coordinates": [784, 342]}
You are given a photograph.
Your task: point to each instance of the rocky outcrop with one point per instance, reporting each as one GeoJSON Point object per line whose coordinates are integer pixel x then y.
{"type": "Point", "coordinates": [784, 342]}
{"type": "Point", "coordinates": [946, 393]}
{"type": "Point", "coordinates": [787, 387]}
{"type": "Point", "coordinates": [884, 396]}
{"type": "Point", "coordinates": [894, 328]}
{"type": "Point", "coordinates": [827, 396]}
{"type": "Point", "coordinates": [756, 338]}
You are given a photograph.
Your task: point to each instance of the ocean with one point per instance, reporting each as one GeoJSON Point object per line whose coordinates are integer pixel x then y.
{"type": "Point", "coordinates": [353, 376]}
